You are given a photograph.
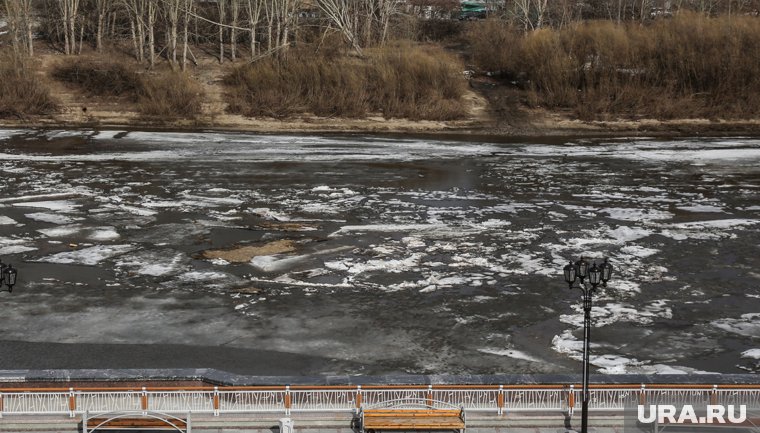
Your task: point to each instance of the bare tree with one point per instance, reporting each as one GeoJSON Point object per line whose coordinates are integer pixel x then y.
{"type": "Point", "coordinates": [253, 7]}
{"type": "Point", "coordinates": [234, 15]}
{"type": "Point", "coordinates": [171, 11]}
{"type": "Point", "coordinates": [340, 14]}
{"type": "Point", "coordinates": [221, 7]}
{"type": "Point", "coordinates": [18, 17]}
{"type": "Point", "coordinates": [102, 9]}
{"type": "Point", "coordinates": [531, 13]}
{"type": "Point", "coordinates": [68, 10]}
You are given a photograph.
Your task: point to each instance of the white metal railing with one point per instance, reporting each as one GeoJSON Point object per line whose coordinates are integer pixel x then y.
{"type": "Point", "coordinates": [497, 399]}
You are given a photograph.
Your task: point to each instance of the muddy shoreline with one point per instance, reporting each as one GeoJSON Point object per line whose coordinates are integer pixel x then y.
{"type": "Point", "coordinates": [456, 131]}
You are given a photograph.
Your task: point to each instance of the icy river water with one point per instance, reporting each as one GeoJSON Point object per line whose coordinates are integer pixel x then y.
{"type": "Point", "coordinates": [403, 255]}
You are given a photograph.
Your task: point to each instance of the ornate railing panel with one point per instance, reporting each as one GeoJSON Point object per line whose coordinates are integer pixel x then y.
{"type": "Point", "coordinates": [251, 401]}
{"type": "Point", "coordinates": [36, 403]}
{"type": "Point", "coordinates": [181, 401]}
{"type": "Point", "coordinates": [108, 401]}
{"type": "Point", "coordinates": [344, 399]}
{"type": "Point", "coordinates": [323, 400]}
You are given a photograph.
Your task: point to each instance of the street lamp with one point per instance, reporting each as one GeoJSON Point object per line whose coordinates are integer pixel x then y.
{"type": "Point", "coordinates": [8, 276]}
{"type": "Point", "coordinates": [575, 276]}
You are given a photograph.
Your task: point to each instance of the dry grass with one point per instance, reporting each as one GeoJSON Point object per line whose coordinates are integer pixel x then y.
{"type": "Point", "coordinates": [170, 95]}
{"type": "Point", "coordinates": [689, 66]}
{"type": "Point", "coordinates": [22, 93]}
{"type": "Point", "coordinates": [161, 94]}
{"type": "Point", "coordinates": [99, 78]}
{"type": "Point", "coordinates": [397, 82]}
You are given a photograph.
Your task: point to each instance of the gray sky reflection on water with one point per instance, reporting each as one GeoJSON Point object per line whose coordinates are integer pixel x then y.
{"type": "Point", "coordinates": [407, 255]}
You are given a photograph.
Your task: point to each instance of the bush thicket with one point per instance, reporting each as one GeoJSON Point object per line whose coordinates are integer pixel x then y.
{"type": "Point", "coordinates": [165, 94]}
{"type": "Point", "coordinates": [22, 93]}
{"type": "Point", "coordinates": [687, 66]}
{"type": "Point", "coordinates": [397, 82]}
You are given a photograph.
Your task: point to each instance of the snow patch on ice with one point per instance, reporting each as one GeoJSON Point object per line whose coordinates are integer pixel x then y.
{"type": "Point", "coordinates": [610, 313]}
{"type": "Point", "coordinates": [511, 353]}
{"type": "Point", "coordinates": [88, 256]}
{"type": "Point", "coordinates": [65, 206]}
{"type": "Point", "coordinates": [626, 214]}
{"type": "Point", "coordinates": [747, 325]}
{"type": "Point", "coordinates": [51, 218]}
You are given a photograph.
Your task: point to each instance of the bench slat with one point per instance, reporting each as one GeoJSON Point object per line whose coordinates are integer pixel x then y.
{"type": "Point", "coordinates": [413, 419]}
{"type": "Point", "coordinates": [134, 423]}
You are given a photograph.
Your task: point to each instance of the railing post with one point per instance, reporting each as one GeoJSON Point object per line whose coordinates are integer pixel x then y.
{"type": "Point", "coordinates": [216, 401]}
{"type": "Point", "coordinates": [287, 400]}
{"type": "Point", "coordinates": [358, 398]}
{"type": "Point", "coordinates": [2, 408]}
{"type": "Point", "coordinates": [714, 395]}
{"type": "Point", "coordinates": [72, 403]}
{"type": "Point", "coordinates": [500, 400]}
{"type": "Point", "coordinates": [144, 401]}
{"type": "Point", "coordinates": [643, 395]}
{"type": "Point", "coordinates": [430, 396]}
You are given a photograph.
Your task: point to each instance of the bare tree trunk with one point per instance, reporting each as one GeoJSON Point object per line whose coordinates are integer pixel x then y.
{"type": "Point", "coordinates": [222, 8]}
{"type": "Point", "coordinates": [102, 9]}
{"type": "Point", "coordinates": [235, 12]}
{"type": "Point", "coordinates": [151, 35]}
{"type": "Point", "coordinates": [81, 36]}
{"type": "Point", "coordinates": [172, 8]}
{"type": "Point", "coordinates": [73, 6]}
{"type": "Point", "coordinates": [254, 13]}
{"type": "Point", "coordinates": [268, 9]}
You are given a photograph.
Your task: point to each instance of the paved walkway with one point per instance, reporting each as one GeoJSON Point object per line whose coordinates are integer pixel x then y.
{"type": "Point", "coordinates": [336, 423]}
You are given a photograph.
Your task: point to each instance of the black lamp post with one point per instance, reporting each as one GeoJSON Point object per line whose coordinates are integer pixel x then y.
{"type": "Point", "coordinates": [579, 272]}
{"type": "Point", "coordinates": [8, 276]}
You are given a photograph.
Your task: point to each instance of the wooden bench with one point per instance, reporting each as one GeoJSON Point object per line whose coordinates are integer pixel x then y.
{"type": "Point", "coordinates": [402, 416]}
{"type": "Point", "coordinates": [149, 421]}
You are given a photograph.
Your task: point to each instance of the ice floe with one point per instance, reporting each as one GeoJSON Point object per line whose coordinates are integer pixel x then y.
{"type": "Point", "coordinates": [611, 312]}
{"type": "Point", "coordinates": [747, 325]}
{"type": "Point", "coordinates": [88, 256]}
{"type": "Point", "coordinates": [65, 206]}
{"type": "Point", "coordinates": [52, 218]}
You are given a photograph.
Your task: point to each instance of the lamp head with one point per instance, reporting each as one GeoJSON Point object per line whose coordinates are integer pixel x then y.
{"type": "Point", "coordinates": [594, 275]}
{"type": "Point", "coordinates": [570, 274]}
{"type": "Point", "coordinates": [581, 268]}
{"type": "Point", "coordinates": [606, 269]}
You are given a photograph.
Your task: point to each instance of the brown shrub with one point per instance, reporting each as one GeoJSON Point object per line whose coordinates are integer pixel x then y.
{"type": "Point", "coordinates": [688, 66]}
{"type": "Point", "coordinates": [22, 93]}
{"type": "Point", "coordinates": [396, 82]}
{"type": "Point", "coordinates": [169, 94]}
{"type": "Point", "coordinates": [99, 78]}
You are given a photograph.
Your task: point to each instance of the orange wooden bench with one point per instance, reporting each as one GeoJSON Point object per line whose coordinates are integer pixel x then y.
{"type": "Point", "coordinates": [412, 418]}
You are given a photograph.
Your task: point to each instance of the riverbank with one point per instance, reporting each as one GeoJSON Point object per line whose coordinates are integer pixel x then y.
{"type": "Point", "coordinates": [539, 124]}
{"type": "Point", "coordinates": [492, 109]}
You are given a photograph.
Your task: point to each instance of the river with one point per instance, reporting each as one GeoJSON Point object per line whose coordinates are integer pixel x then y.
{"type": "Point", "coordinates": [377, 254]}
